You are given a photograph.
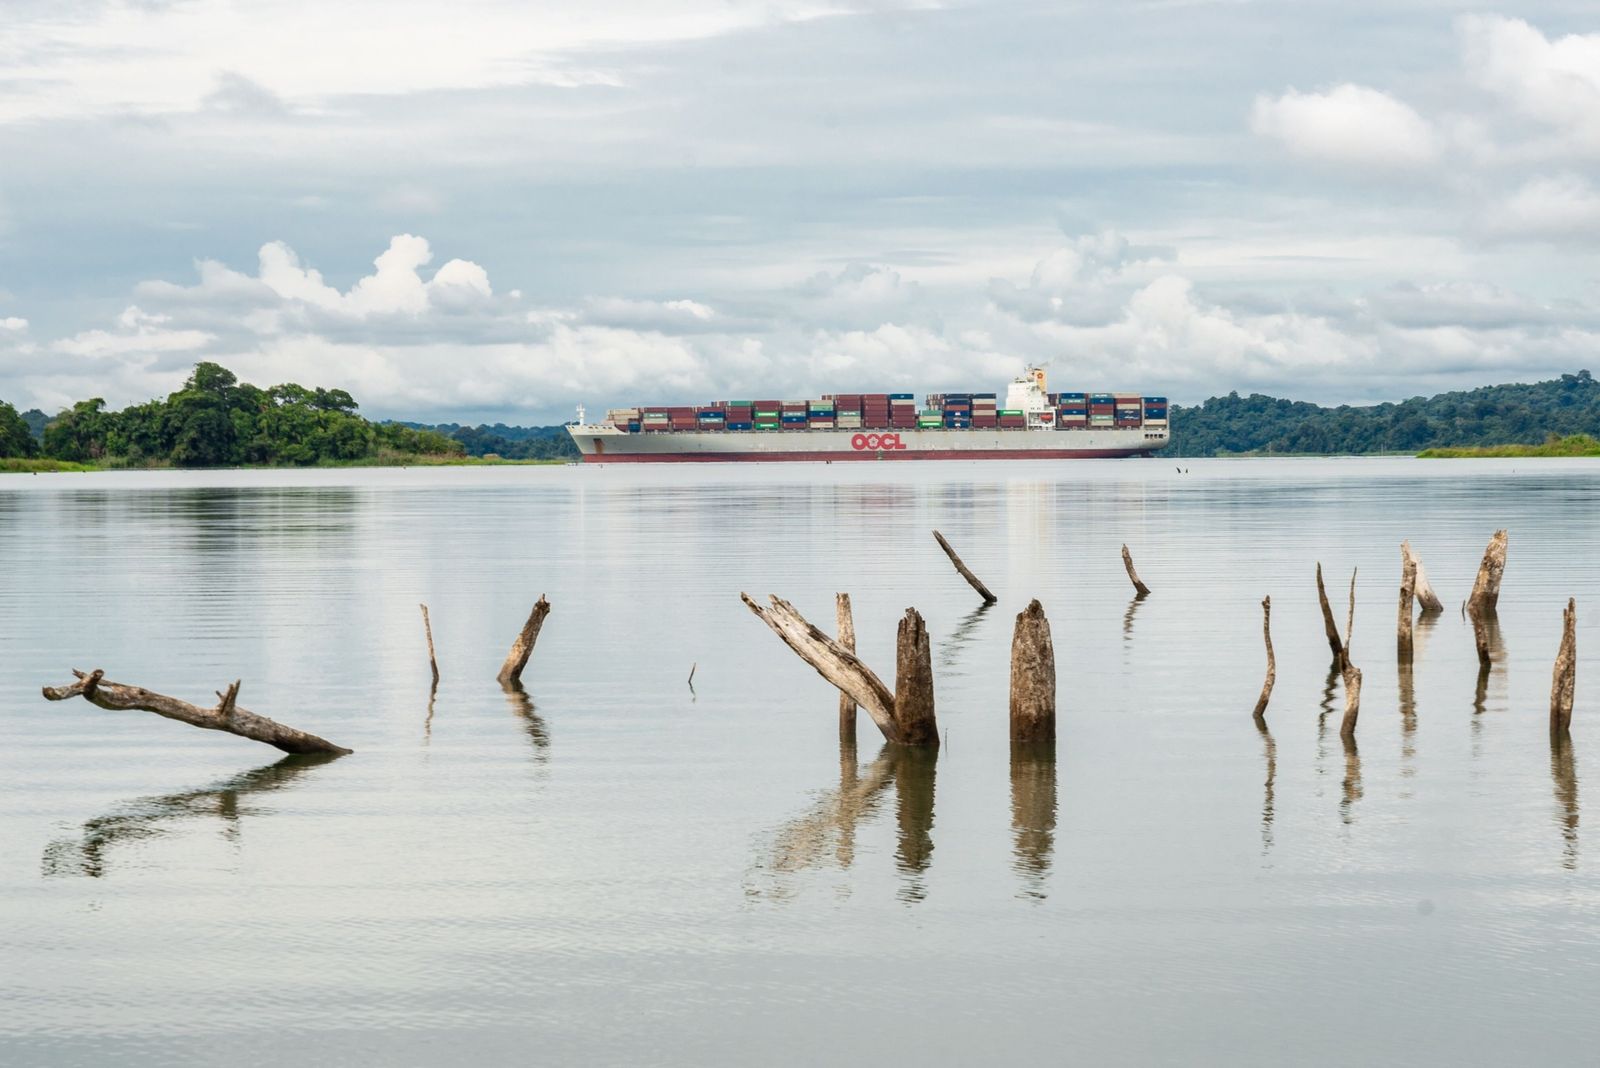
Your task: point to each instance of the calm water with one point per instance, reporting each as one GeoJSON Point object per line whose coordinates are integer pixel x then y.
{"type": "Point", "coordinates": [621, 870]}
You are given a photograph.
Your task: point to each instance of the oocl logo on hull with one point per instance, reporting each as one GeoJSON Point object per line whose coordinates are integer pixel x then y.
{"type": "Point", "coordinates": [876, 442]}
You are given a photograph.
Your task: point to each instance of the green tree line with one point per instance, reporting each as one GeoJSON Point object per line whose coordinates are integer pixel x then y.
{"type": "Point", "coordinates": [217, 421]}
{"type": "Point", "coordinates": [1493, 415]}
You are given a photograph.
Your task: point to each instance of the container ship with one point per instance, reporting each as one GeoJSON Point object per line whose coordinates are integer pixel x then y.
{"type": "Point", "coordinates": [1033, 424]}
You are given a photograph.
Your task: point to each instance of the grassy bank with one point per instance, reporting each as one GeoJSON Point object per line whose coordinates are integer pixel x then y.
{"type": "Point", "coordinates": [1572, 445]}
{"type": "Point", "coordinates": [19, 466]}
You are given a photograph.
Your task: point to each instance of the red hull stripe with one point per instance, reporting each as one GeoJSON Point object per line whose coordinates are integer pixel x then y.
{"type": "Point", "coordinates": [904, 454]}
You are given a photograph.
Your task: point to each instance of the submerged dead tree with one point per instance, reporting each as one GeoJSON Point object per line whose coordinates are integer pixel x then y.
{"type": "Point", "coordinates": [522, 647]}
{"type": "Point", "coordinates": [1033, 677]}
{"type": "Point", "coordinates": [1139, 588]}
{"type": "Point", "coordinates": [227, 716]}
{"type": "Point", "coordinates": [905, 714]}
{"type": "Point", "coordinates": [1564, 678]}
{"type": "Point", "coordinates": [1272, 662]}
{"type": "Point", "coordinates": [1486, 589]}
{"type": "Point", "coordinates": [1351, 675]}
{"type": "Point", "coordinates": [1329, 627]}
{"type": "Point", "coordinates": [846, 623]}
{"type": "Point", "coordinates": [966, 572]}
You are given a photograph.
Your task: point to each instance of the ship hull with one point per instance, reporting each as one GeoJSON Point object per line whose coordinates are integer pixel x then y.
{"type": "Point", "coordinates": [606, 444]}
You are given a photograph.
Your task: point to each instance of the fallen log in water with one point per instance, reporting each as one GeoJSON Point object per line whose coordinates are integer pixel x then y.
{"type": "Point", "coordinates": [846, 623]}
{"type": "Point", "coordinates": [966, 573]}
{"type": "Point", "coordinates": [1272, 662]}
{"type": "Point", "coordinates": [1033, 677]}
{"type": "Point", "coordinates": [1564, 678]}
{"type": "Point", "coordinates": [1139, 588]}
{"type": "Point", "coordinates": [522, 647]}
{"type": "Point", "coordinates": [227, 716]}
{"type": "Point", "coordinates": [905, 715]}
{"type": "Point", "coordinates": [1486, 588]}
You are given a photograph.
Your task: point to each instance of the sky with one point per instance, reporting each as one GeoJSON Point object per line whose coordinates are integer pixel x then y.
{"type": "Point", "coordinates": [499, 210]}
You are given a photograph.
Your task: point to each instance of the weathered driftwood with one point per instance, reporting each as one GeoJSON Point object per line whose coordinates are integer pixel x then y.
{"type": "Point", "coordinates": [904, 715]}
{"type": "Point", "coordinates": [1329, 627]}
{"type": "Point", "coordinates": [966, 573]}
{"type": "Point", "coordinates": [846, 623]}
{"type": "Point", "coordinates": [1564, 678]}
{"type": "Point", "coordinates": [913, 683]}
{"type": "Point", "coordinates": [226, 716]}
{"type": "Point", "coordinates": [1272, 661]}
{"type": "Point", "coordinates": [1486, 588]}
{"type": "Point", "coordinates": [1408, 594]}
{"type": "Point", "coordinates": [433, 661]}
{"type": "Point", "coordinates": [522, 648]}
{"type": "Point", "coordinates": [1139, 588]}
{"type": "Point", "coordinates": [1427, 600]}
{"type": "Point", "coordinates": [1033, 677]}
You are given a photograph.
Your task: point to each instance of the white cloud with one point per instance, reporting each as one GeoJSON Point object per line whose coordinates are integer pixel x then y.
{"type": "Point", "coordinates": [14, 324]}
{"type": "Point", "coordinates": [1350, 125]}
{"type": "Point", "coordinates": [1564, 207]}
{"type": "Point", "coordinates": [1556, 82]}
{"type": "Point", "coordinates": [138, 333]}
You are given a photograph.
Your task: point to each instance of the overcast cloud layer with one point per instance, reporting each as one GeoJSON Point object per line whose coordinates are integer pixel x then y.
{"type": "Point", "coordinates": [499, 210]}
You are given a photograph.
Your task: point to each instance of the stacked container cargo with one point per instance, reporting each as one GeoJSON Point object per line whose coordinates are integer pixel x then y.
{"type": "Point", "coordinates": [1155, 411]}
{"type": "Point", "coordinates": [1129, 410]}
{"type": "Point", "coordinates": [1013, 419]}
{"type": "Point", "coordinates": [875, 411]}
{"type": "Point", "coordinates": [1072, 411]}
{"type": "Point", "coordinates": [740, 415]}
{"type": "Point", "coordinates": [984, 413]}
{"type": "Point", "coordinates": [767, 414]}
{"type": "Point", "coordinates": [902, 411]}
{"type": "Point", "coordinates": [1102, 409]}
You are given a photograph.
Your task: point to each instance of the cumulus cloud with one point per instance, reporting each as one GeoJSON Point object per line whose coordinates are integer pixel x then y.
{"type": "Point", "coordinates": [1556, 82]}
{"type": "Point", "coordinates": [1350, 125]}
{"type": "Point", "coordinates": [13, 323]}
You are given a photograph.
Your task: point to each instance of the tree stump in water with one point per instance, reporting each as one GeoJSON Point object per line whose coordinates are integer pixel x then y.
{"type": "Point", "coordinates": [1033, 677]}
{"type": "Point", "coordinates": [913, 682]}
{"type": "Point", "coordinates": [1426, 598]}
{"type": "Point", "coordinates": [1408, 593]}
{"type": "Point", "coordinates": [1564, 678]}
{"type": "Point", "coordinates": [522, 647]}
{"type": "Point", "coordinates": [227, 716]}
{"type": "Point", "coordinates": [1139, 588]}
{"type": "Point", "coordinates": [1486, 589]}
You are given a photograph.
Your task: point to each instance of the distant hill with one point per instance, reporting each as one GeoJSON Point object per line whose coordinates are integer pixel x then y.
{"type": "Point", "coordinates": [1493, 415]}
{"type": "Point", "coordinates": [507, 442]}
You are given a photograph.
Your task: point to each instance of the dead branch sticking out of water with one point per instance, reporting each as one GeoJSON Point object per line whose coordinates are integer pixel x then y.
{"type": "Point", "coordinates": [227, 716]}
{"type": "Point", "coordinates": [1272, 662]}
{"type": "Point", "coordinates": [1427, 600]}
{"type": "Point", "coordinates": [1329, 627]}
{"type": "Point", "coordinates": [522, 648]}
{"type": "Point", "coordinates": [1564, 678]}
{"type": "Point", "coordinates": [1033, 677]}
{"type": "Point", "coordinates": [905, 715]}
{"type": "Point", "coordinates": [1350, 673]}
{"type": "Point", "coordinates": [433, 661]}
{"type": "Point", "coordinates": [966, 573]}
{"type": "Point", "coordinates": [845, 620]}
{"type": "Point", "coordinates": [1139, 588]}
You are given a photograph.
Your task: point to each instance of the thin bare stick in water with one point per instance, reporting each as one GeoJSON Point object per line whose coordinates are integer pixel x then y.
{"type": "Point", "coordinates": [1350, 673]}
{"type": "Point", "coordinates": [433, 661]}
{"type": "Point", "coordinates": [522, 647]}
{"type": "Point", "coordinates": [227, 716]}
{"type": "Point", "coordinates": [1329, 627]}
{"type": "Point", "coordinates": [966, 573]}
{"type": "Point", "coordinates": [1139, 588]}
{"type": "Point", "coordinates": [1272, 661]}
{"type": "Point", "coordinates": [692, 668]}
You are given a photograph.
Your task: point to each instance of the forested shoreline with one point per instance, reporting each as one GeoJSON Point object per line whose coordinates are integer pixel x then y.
{"type": "Point", "coordinates": [216, 421]}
